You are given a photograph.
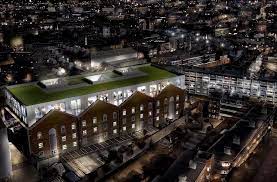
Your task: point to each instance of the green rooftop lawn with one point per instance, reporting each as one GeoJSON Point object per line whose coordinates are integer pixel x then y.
{"type": "Point", "coordinates": [32, 94]}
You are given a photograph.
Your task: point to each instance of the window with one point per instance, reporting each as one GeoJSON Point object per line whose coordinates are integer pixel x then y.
{"type": "Point", "coordinates": [177, 106]}
{"type": "Point", "coordinates": [75, 105]}
{"type": "Point", "coordinates": [84, 123]}
{"type": "Point", "coordinates": [39, 135]}
{"type": "Point", "coordinates": [91, 100]}
{"type": "Point", "coordinates": [94, 120]}
{"type": "Point", "coordinates": [95, 129]}
{"type": "Point", "coordinates": [105, 126]}
{"type": "Point", "coordinates": [165, 116]}
{"type": "Point", "coordinates": [141, 107]}
{"type": "Point", "coordinates": [157, 118]}
{"type": "Point", "coordinates": [133, 118]}
{"type": "Point", "coordinates": [114, 115]}
{"type": "Point", "coordinates": [63, 129]}
{"type": "Point", "coordinates": [64, 147]}
{"type": "Point", "coordinates": [177, 112]}
{"type": "Point", "coordinates": [124, 112]}
{"type": "Point", "coordinates": [74, 135]}
{"type": "Point", "coordinates": [133, 110]}
{"type": "Point", "coordinates": [165, 101]}
{"type": "Point", "coordinates": [141, 116]}
{"type": "Point", "coordinates": [150, 105]}
{"type": "Point", "coordinates": [158, 111]}
{"type": "Point", "coordinates": [84, 132]}
{"type": "Point", "coordinates": [105, 117]}
{"type": "Point", "coordinates": [124, 128]}
{"type": "Point", "coordinates": [40, 145]}
{"type": "Point", "coordinates": [74, 144]}
{"type": "Point", "coordinates": [115, 131]}
{"type": "Point", "coordinates": [177, 98]}
{"type": "Point", "coordinates": [150, 113]}
{"type": "Point", "coordinates": [114, 123]}
{"type": "Point", "coordinates": [63, 138]}
{"type": "Point", "coordinates": [158, 103]}
{"type": "Point", "coordinates": [124, 121]}
{"type": "Point", "coordinates": [133, 126]}
{"type": "Point", "coordinates": [73, 126]}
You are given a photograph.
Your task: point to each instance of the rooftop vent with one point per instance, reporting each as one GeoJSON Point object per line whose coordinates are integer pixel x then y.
{"type": "Point", "coordinates": [192, 164]}
{"type": "Point", "coordinates": [227, 150]}
{"type": "Point", "coordinates": [236, 140]}
{"type": "Point", "coordinates": [252, 124]}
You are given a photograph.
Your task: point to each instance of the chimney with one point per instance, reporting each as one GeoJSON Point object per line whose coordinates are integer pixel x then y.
{"type": "Point", "coordinates": [192, 164]}
{"type": "Point", "coordinates": [252, 124]}
{"type": "Point", "coordinates": [236, 140]}
{"type": "Point", "coordinates": [227, 150]}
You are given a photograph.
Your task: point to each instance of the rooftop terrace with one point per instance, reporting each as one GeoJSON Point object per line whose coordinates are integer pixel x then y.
{"type": "Point", "coordinates": [31, 94]}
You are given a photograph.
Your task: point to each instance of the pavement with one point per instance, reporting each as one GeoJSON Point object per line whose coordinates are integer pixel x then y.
{"type": "Point", "coordinates": [86, 160]}
{"type": "Point", "coordinates": [22, 170]}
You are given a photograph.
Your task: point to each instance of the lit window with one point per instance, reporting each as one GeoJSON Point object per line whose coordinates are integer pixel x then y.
{"type": "Point", "coordinates": [114, 123]}
{"type": "Point", "coordinates": [124, 112]}
{"type": "Point", "coordinates": [177, 106]}
{"type": "Point", "coordinates": [115, 131]}
{"type": "Point", "coordinates": [124, 128]}
{"type": "Point", "coordinates": [64, 138]}
{"type": "Point", "coordinates": [150, 113]}
{"type": "Point", "coordinates": [73, 126]}
{"type": "Point", "coordinates": [95, 129]}
{"type": "Point", "coordinates": [39, 135]}
{"type": "Point", "coordinates": [133, 125]}
{"type": "Point", "coordinates": [94, 120]}
{"type": "Point", "coordinates": [133, 110]}
{"type": "Point", "coordinates": [177, 112]}
{"type": "Point", "coordinates": [141, 107]}
{"type": "Point", "coordinates": [84, 123]}
{"type": "Point", "coordinates": [105, 117]}
{"type": "Point", "coordinates": [74, 144]}
{"type": "Point", "coordinates": [84, 132]}
{"type": "Point", "coordinates": [158, 111]}
{"type": "Point", "coordinates": [157, 118]}
{"type": "Point", "coordinates": [74, 135]}
{"type": "Point", "coordinates": [64, 147]}
{"type": "Point", "coordinates": [40, 145]}
{"type": "Point", "coordinates": [177, 98]}
{"type": "Point", "coordinates": [141, 116]}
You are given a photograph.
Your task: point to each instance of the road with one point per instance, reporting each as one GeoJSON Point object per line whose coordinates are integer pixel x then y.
{"type": "Point", "coordinates": [257, 167]}
{"type": "Point", "coordinates": [268, 170]}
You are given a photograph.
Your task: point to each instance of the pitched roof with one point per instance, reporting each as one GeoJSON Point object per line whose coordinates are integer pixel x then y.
{"type": "Point", "coordinates": [136, 98]}
{"type": "Point", "coordinates": [54, 116]}
{"type": "Point", "coordinates": [99, 104]}
{"type": "Point", "coordinates": [169, 89]}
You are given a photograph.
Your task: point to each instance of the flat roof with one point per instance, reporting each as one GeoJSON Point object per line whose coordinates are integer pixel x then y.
{"type": "Point", "coordinates": [31, 94]}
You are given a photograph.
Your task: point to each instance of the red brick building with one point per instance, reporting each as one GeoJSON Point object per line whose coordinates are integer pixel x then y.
{"type": "Point", "coordinates": [136, 112]}
{"type": "Point", "coordinates": [98, 122]}
{"type": "Point", "coordinates": [55, 133]}
{"type": "Point", "coordinates": [169, 104]}
{"type": "Point", "coordinates": [58, 132]}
